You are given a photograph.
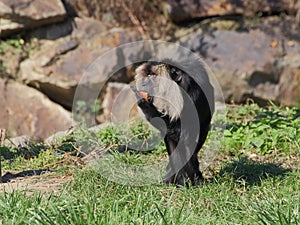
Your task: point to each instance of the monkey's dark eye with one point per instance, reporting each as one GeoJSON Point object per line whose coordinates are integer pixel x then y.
{"type": "Point", "coordinates": [176, 74]}
{"type": "Point", "coordinates": [179, 78]}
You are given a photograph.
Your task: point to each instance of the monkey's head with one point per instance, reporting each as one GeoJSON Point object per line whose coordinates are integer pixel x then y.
{"type": "Point", "coordinates": [162, 83]}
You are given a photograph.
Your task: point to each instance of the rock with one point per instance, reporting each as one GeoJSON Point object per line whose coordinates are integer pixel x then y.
{"type": "Point", "coordinates": [16, 15]}
{"type": "Point", "coordinates": [17, 142]}
{"type": "Point", "coordinates": [37, 71]}
{"type": "Point", "coordinates": [289, 87]}
{"type": "Point", "coordinates": [281, 82]}
{"type": "Point", "coordinates": [108, 12]}
{"type": "Point", "coordinates": [58, 136]}
{"type": "Point", "coordinates": [237, 91]}
{"type": "Point", "coordinates": [10, 62]}
{"type": "Point", "coordinates": [185, 10]}
{"type": "Point", "coordinates": [25, 111]}
{"type": "Point", "coordinates": [59, 64]}
{"type": "Point", "coordinates": [82, 8]}
{"type": "Point", "coordinates": [276, 26]}
{"type": "Point", "coordinates": [266, 91]}
{"type": "Point", "coordinates": [52, 31]}
{"type": "Point", "coordinates": [239, 53]}
{"type": "Point", "coordinates": [119, 104]}
{"type": "Point", "coordinates": [233, 57]}
{"type": "Point", "coordinates": [249, 64]}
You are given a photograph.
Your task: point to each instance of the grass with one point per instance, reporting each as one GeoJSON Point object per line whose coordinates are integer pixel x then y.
{"type": "Point", "coordinates": [246, 184]}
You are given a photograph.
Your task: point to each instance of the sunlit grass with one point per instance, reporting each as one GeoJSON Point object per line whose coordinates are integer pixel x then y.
{"type": "Point", "coordinates": [248, 183]}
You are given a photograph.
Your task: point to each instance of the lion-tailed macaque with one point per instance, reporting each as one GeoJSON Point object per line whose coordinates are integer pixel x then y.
{"type": "Point", "coordinates": [180, 105]}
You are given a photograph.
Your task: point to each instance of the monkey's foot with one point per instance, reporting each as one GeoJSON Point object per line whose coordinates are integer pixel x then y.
{"type": "Point", "coordinates": [184, 180]}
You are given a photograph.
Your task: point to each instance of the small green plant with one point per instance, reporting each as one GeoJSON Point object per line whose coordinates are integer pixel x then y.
{"type": "Point", "coordinates": [18, 46]}
{"type": "Point", "coordinates": [141, 130]}
{"type": "Point", "coordinates": [16, 43]}
{"type": "Point", "coordinates": [85, 111]}
{"type": "Point", "coordinates": [263, 129]}
{"type": "Point", "coordinates": [110, 136]}
{"type": "Point", "coordinates": [132, 134]}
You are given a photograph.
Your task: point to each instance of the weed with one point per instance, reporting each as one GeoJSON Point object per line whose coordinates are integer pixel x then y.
{"type": "Point", "coordinates": [264, 130]}
{"type": "Point", "coordinates": [86, 111]}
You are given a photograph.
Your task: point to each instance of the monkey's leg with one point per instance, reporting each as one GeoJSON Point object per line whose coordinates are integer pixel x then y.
{"type": "Point", "coordinates": [170, 176]}
{"type": "Point", "coordinates": [175, 174]}
{"type": "Point", "coordinates": [192, 166]}
{"type": "Point", "coordinates": [189, 172]}
{"type": "Point", "coordinates": [182, 166]}
{"type": "Point", "coordinates": [191, 169]}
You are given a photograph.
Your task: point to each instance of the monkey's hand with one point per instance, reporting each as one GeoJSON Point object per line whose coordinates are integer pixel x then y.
{"type": "Point", "coordinates": [145, 103]}
{"type": "Point", "coordinates": [148, 109]}
{"type": "Point", "coordinates": [141, 95]}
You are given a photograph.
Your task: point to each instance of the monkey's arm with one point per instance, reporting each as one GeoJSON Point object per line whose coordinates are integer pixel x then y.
{"type": "Point", "coordinates": [146, 106]}
{"type": "Point", "coordinates": [156, 118]}
{"type": "Point", "coordinates": [148, 109]}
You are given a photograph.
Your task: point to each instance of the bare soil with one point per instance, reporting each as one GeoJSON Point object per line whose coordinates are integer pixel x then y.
{"type": "Point", "coordinates": [44, 183]}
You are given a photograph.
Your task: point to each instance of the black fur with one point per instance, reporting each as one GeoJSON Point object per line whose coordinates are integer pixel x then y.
{"type": "Point", "coordinates": [183, 141]}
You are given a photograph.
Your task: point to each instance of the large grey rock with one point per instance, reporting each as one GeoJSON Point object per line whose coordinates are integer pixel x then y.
{"type": "Point", "coordinates": [119, 103]}
{"type": "Point", "coordinates": [252, 63]}
{"type": "Point", "coordinates": [39, 71]}
{"type": "Point", "coordinates": [59, 65]}
{"type": "Point", "coordinates": [289, 88]}
{"type": "Point", "coordinates": [233, 57]}
{"type": "Point", "coordinates": [16, 15]}
{"type": "Point", "coordinates": [25, 111]}
{"type": "Point", "coordinates": [239, 53]}
{"type": "Point", "coordinates": [233, 89]}
{"type": "Point", "coordinates": [184, 10]}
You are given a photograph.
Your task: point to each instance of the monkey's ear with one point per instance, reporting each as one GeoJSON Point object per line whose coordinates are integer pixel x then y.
{"type": "Point", "coordinates": [176, 74]}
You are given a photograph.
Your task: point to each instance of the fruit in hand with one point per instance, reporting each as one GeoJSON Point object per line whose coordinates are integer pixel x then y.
{"type": "Point", "coordinates": [144, 95]}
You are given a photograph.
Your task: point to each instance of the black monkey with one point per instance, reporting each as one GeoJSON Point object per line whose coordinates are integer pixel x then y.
{"type": "Point", "coordinates": [181, 106]}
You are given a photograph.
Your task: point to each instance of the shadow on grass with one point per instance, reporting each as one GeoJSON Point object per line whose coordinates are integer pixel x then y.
{"type": "Point", "coordinates": [27, 152]}
{"type": "Point", "coordinates": [7, 177]}
{"type": "Point", "coordinates": [251, 172]}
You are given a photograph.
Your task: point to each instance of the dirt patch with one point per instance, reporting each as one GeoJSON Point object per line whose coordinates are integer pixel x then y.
{"type": "Point", "coordinates": [45, 183]}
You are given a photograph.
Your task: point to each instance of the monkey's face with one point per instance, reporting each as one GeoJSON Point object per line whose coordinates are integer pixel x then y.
{"type": "Point", "coordinates": [158, 81]}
